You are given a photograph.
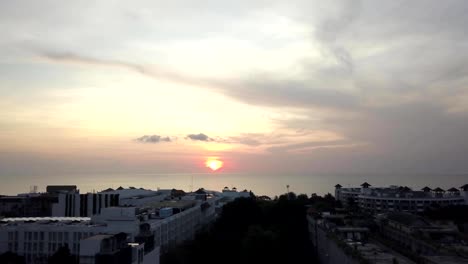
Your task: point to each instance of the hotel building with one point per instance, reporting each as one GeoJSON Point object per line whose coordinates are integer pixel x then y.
{"type": "Point", "coordinates": [399, 198]}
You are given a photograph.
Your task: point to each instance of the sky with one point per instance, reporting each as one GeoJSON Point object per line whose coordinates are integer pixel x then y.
{"type": "Point", "coordinates": [299, 87]}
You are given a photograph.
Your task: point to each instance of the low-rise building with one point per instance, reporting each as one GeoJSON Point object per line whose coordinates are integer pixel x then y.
{"type": "Point", "coordinates": [422, 237]}
{"type": "Point", "coordinates": [335, 241]}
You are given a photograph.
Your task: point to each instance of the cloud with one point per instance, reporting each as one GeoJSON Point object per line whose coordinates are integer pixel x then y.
{"type": "Point", "coordinates": [248, 139]}
{"type": "Point", "coordinates": [258, 88]}
{"type": "Point", "coordinates": [329, 30]}
{"type": "Point", "coordinates": [393, 74]}
{"type": "Point", "coordinates": [152, 71]}
{"type": "Point", "coordinates": [269, 91]}
{"type": "Point", "coordinates": [153, 139]}
{"type": "Point", "coordinates": [199, 137]}
{"type": "Point", "coordinates": [306, 147]}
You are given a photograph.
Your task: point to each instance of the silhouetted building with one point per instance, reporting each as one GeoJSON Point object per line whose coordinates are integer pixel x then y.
{"type": "Point", "coordinates": [28, 205]}
{"type": "Point", "coordinates": [56, 189]}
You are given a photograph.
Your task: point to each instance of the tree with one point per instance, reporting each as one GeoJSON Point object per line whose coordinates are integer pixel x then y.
{"type": "Point", "coordinates": [11, 258]}
{"type": "Point", "coordinates": [251, 231]}
{"type": "Point", "coordinates": [62, 255]}
{"type": "Point", "coordinates": [303, 197]}
{"type": "Point", "coordinates": [260, 246]}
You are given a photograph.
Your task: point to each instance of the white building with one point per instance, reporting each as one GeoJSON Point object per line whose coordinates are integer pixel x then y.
{"type": "Point", "coordinates": [86, 205]}
{"type": "Point", "coordinates": [233, 193]}
{"type": "Point", "coordinates": [136, 196]}
{"type": "Point", "coordinates": [88, 238]}
{"type": "Point", "coordinates": [394, 198]}
{"type": "Point", "coordinates": [83, 205]}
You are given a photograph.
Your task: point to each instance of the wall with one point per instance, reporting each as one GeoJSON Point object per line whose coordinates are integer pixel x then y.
{"type": "Point", "coordinates": [152, 257]}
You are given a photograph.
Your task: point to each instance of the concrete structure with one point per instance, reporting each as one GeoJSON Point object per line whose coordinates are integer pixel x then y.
{"type": "Point", "coordinates": [83, 205]}
{"type": "Point", "coordinates": [34, 204]}
{"type": "Point", "coordinates": [335, 242]}
{"type": "Point", "coordinates": [109, 249]}
{"type": "Point", "coordinates": [136, 196]}
{"type": "Point", "coordinates": [56, 189]}
{"type": "Point", "coordinates": [145, 230]}
{"type": "Point", "coordinates": [423, 237]}
{"type": "Point", "coordinates": [233, 193]}
{"type": "Point", "coordinates": [464, 193]}
{"type": "Point", "coordinates": [27, 205]}
{"type": "Point", "coordinates": [394, 198]}
{"type": "Point", "coordinates": [86, 205]}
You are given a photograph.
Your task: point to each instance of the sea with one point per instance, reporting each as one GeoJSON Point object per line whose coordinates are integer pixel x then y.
{"type": "Point", "coordinates": [260, 184]}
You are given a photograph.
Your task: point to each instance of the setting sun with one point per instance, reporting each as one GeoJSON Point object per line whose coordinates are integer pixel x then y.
{"type": "Point", "coordinates": [214, 164]}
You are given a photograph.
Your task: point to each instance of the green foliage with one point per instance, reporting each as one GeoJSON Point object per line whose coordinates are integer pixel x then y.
{"type": "Point", "coordinates": [251, 231]}
{"type": "Point", "coordinates": [62, 255]}
{"type": "Point", "coordinates": [11, 258]}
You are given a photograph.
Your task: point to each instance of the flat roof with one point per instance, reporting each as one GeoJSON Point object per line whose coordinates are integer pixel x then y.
{"type": "Point", "coordinates": [98, 237]}
{"type": "Point", "coordinates": [173, 203]}
{"type": "Point", "coordinates": [52, 219]}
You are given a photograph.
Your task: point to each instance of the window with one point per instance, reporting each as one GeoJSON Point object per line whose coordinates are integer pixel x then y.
{"type": "Point", "coordinates": [35, 235]}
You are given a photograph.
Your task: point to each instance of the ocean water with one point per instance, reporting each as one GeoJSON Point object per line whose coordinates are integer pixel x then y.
{"type": "Point", "coordinates": [260, 184]}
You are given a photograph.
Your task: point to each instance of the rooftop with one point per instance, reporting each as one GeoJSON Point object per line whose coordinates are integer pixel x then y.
{"type": "Point", "coordinates": [60, 188]}
{"type": "Point", "coordinates": [98, 237]}
{"type": "Point", "coordinates": [183, 204]}
{"type": "Point", "coordinates": [408, 219]}
{"type": "Point", "coordinates": [405, 192]}
{"type": "Point", "coordinates": [50, 219]}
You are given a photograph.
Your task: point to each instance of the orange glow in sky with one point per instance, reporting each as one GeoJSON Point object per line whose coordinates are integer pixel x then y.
{"type": "Point", "coordinates": [214, 164]}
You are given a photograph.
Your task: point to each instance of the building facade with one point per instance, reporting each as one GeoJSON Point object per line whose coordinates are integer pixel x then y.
{"type": "Point", "coordinates": [146, 232]}
{"type": "Point", "coordinates": [83, 205]}
{"type": "Point", "coordinates": [398, 198]}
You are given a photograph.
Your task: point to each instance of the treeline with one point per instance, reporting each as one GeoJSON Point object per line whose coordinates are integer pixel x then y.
{"type": "Point", "coordinates": [251, 230]}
